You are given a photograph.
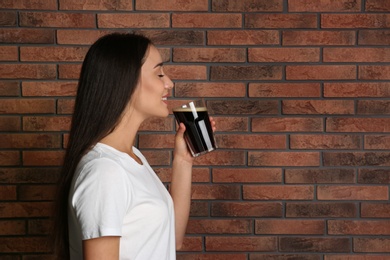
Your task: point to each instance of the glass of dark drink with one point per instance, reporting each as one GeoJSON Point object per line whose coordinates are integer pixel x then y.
{"type": "Point", "coordinates": [199, 133]}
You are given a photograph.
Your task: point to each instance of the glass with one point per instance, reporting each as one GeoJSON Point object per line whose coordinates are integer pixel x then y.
{"type": "Point", "coordinates": [199, 134]}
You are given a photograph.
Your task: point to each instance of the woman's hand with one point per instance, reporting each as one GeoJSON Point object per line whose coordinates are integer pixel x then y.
{"type": "Point", "coordinates": [181, 150]}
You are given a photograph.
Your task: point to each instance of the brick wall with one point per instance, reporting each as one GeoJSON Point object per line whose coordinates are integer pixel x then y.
{"type": "Point", "coordinates": [299, 89]}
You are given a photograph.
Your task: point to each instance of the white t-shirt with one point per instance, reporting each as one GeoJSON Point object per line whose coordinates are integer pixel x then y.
{"type": "Point", "coordinates": [113, 195]}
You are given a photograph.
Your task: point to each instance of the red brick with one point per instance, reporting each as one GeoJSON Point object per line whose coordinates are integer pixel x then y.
{"type": "Point", "coordinates": [285, 257]}
{"type": "Point", "coordinates": [355, 257]}
{"type": "Point", "coordinates": [358, 89]}
{"type": "Point", "coordinates": [96, 5]}
{"type": "Point", "coordinates": [231, 141]}
{"type": "Point", "coordinates": [28, 175]}
{"type": "Point", "coordinates": [244, 175]}
{"type": "Point", "coordinates": [9, 88]}
{"type": "Point", "coordinates": [289, 227]}
{"type": "Point", "coordinates": [28, 71]}
{"type": "Point", "coordinates": [374, 37]}
{"type": "Point", "coordinates": [231, 124]}
{"type": "Point", "coordinates": [36, 192]}
{"type": "Point", "coordinates": [375, 210]}
{"type": "Point", "coordinates": [9, 158]}
{"type": "Point", "coordinates": [206, 20]}
{"type": "Point", "coordinates": [79, 37]}
{"type": "Point", "coordinates": [249, 72]}
{"type": "Point", "coordinates": [355, 21]}
{"type": "Point", "coordinates": [290, 192]}
{"type": "Point", "coordinates": [356, 159]}
{"type": "Point", "coordinates": [69, 71]}
{"type": "Point", "coordinates": [249, 107]}
{"type": "Point", "coordinates": [45, 123]}
{"type": "Point", "coordinates": [284, 90]}
{"type": "Point", "coordinates": [372, 245]}
{"type": "Point", "coordinates": [7, 192]}
{"type": "Point", "coordinates": [65, 106]}
{"type": "Point", "coordinates": [243, 37]}
{"type": "Point", "coordinates": [313, 107]}
{"type": "Point", "coordinates": [157, 157]}
{"type": "Point", "coordinates": [57, 19]}
{"type": "Point", "coordinates": [318, 38]}
{"type": "Point", "coordinates": [10, 123]}
{"type": "Point", "coordinates": [241, 244]}
{"type": "Point", "coordinates": [373, 72]}
{"type": "Point", "coordinates": [290, 124]}
{"type": "Point", "coordinates": [25, 210]}
{"type": "Point", "coordinates": [247, 6]}
{"type": "Point", "coordinates": [12, 227]}
{"type": "Point", "coordinates": [325, 142]}
{"type": "Point", "coordinates": [359, 227]}
{"type": "Point", "coordinates": [8, 18]}
{"type": "Point", "coordinates": [157, 124]}
{"type": "Point", "coordinates": [175, 37]}
{"type": "Point", "coordinates": [189, 72]}
{"type": "Point", "coordinates": [27, 106]}
{"type": "Point", "coordinates": [373, 107]}
{"type": "Point", "coordinates": [374, 176]}
{"type": "Point", "coordinates": [174, 5]}
{"type": "Point", "coordinates": [209, 55]}
{"type": "Point", "coordinates": [324, 6]}
{"type": "Point", "coordinates": [352, 192]}
{"type": "Point", "coordinates": [133, 20]}
{"type": "Point", "coordinates": [358, 125]}
{"type": "Point", "coordinates": [321, 210]}
{"type": "Point", "coordinates": [315, 175]}
{"type": "Point", "coordinates": [246, 209]}
{"type": "Point", "coordinates": [24, 244]}
{"type": "Point", "coordinates": [25, 4]}
{"type": "Point", "coordinates": [199, 209]}
{"type": "Point", "coordinates": [192, 244]}
{"type": "Point", "coordinates": [26, 35]}
{"type": "Point", "coordinates": [219, 226]}
{"type": "Point", "coordinates": [66, 54]}
{"type": "Point", "coordinates": [209, 89]}
{"type": "Point", "coordinates": [381, 142]}
{"type": "Point", "coordinates": [320, 72]}
{"type": "Point", "coordinates": [54, 88]}
{"type": "Point", "coordinates": [30, 141]}
{"type": "Point", "coordinates": [221, 157]}
{"type": "Point", "coordinates": [377, 6]}
{"type": "Point", "coordinates": [156, 141]}
{"type": "Point", "coordinates": [213, 256]}
{"type": "Point", "coordinates": [280, 21]}
{"type": "Point", "coordinates": [283, 54]}
{"type": "Point", "coordinates": [283, 159]}
{"type": "Point", "coordinates": [9, 53]}
{"type": "Point", "coordinates": [39, 226]}
{"type": "Point", "coordinates": [356, 55]}
{"type": "Point", "coordinates": [310, 244]}
{"type": "Point", "coordinates": [215, 192]}
{"type": "Point", "coordinates": [43, 158]}
{"type": "Point", "coordinates": [198, 174]}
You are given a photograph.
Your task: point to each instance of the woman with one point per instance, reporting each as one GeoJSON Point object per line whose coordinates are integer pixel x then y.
{"type": "Point", "coordinates": [112, 205]}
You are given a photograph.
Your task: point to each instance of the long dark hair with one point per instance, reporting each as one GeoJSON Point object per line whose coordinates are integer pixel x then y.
{"type": "Point", "coordinates": [108, 78]}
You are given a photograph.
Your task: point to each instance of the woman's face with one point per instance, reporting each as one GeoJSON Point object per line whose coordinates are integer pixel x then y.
{"type": "Point", "coordinates": [153, 88]}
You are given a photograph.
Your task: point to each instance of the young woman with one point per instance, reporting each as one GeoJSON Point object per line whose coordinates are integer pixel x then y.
{"type": "Point", "coordinates": [111, 203]}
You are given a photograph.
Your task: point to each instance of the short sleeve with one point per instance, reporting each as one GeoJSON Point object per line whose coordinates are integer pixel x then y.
{"type": "Point", "coordinates": [102, 195]}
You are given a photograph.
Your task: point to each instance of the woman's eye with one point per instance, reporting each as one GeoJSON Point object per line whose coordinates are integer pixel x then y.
{"type": "Point", "coordinates": [161, 75]}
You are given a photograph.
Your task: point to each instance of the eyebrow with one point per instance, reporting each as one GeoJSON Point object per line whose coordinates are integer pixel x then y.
{"type": "Point", "coordinates": [159, 65]}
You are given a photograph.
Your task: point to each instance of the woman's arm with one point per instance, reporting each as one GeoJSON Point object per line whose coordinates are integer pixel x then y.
{"type": "Point", "coordinates": [102, 248]}
{"type": "Point", "coordinates": [180, 188]}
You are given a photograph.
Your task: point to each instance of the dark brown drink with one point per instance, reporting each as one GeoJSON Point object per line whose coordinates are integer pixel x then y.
{"type": "Point", "coordinates": [199, 133]}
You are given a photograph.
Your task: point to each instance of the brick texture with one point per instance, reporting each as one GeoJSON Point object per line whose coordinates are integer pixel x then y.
{"type": "Point", "coordinates": [299, 90]}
